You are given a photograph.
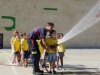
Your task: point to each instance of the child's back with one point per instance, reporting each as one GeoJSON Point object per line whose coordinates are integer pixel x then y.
{"type": "Point", "coordinates": [16, 45]}
{"type": "Point", "coordinates": [24, 44]}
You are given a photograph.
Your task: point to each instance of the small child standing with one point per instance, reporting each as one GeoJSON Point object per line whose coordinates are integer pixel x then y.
{"type": "Point", "coordinates": [60, 52]}
{"type": "Point", "coordinates": [43, 55]}
{"type": "Point", "coordinates": [16, 48]}
{"type": "Point", "coordinates": [15, 33]}
{"type": "Point", "coordinates": [24, 50]}
{"type": "Point", "coordinates": [41, 52]}
{"type": "Point", "coordinates": [52, 57]}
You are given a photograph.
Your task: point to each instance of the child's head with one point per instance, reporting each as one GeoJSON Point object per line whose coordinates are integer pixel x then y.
{"type": "Point", "coordinates": [60, 35]}
{"type": "Point", "coordinates": [49, 26]}
{"type": "Point", "coordinates": [53, 34]}
{"type": "Point", "coordinates": [15, 33]}
{"type": "Point", "coordinates": [23, 35]}
{"type": "Point", "coordinates": [17, 37]}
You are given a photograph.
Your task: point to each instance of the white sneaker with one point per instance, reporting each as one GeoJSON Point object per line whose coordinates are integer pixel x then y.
{"type": "Point", "coordinates": [63, 68]}
{"type": "Point", "coordinates": [18, 64]}
{"type": "Point", "coordinates": [30, 59]}
{"type": "Point", "coordinates": [14, 64]}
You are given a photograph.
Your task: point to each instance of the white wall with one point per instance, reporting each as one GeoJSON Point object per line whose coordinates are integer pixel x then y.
{"type": "Point", "coordinates": [30, 14]}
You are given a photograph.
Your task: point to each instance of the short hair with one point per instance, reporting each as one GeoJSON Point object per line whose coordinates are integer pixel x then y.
{"type": "Point", "coordinates": [14, 32]}
{"type": "Point", "coordinates": [50, 24]}
{"type": "Point", "coordinates": [22, 34]}
{"type": "Point", "coordinates": [52, 31]}
{"type": "Point", "coordinates": [60, 34]}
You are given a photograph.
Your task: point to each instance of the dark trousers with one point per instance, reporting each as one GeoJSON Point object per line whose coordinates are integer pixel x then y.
{"type": "Point", "coordinates": [35, 57]}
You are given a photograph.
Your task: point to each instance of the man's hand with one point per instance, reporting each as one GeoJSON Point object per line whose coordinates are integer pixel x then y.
{"type": "Point", "coordinates": [47, 49]}
{"type": "Point", "coordinates": [44, 44]}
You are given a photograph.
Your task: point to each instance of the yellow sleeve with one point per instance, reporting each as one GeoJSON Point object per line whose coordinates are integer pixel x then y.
{"type": "Point", "coordinates": [21, 42]}
{"type": "Point", "coordinates": [47, 40]}
{"type": "Point", "coordinates": [64, 47]}
{"type": "Point", "coordinates": [12, 39]}
{"type": "Point", "coordinates": [13, 45]}
{"type": "Point", "coordinates": [21, 46]}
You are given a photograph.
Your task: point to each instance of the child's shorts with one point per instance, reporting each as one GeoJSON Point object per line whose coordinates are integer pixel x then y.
{"type": "Point", "coordinates": [25, 55]}
{"type": "Point", "coordinates": [17, 52]}
{"type": "Point", "coordinates": [60, 54]}
{"type": "Point", "coordinates": [52, 57]}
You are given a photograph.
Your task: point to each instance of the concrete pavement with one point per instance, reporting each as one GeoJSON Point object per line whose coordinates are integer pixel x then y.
{"type": "Point", "coordinates": [76, 61]}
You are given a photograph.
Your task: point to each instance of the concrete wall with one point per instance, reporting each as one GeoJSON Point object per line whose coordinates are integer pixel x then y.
{"type": "Point", "coordinates": [30, 14]}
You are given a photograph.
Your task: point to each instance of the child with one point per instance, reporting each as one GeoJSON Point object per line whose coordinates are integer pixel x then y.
{"type": "Point", "coordinates": [11, 42]}
{"type": "Point", "coordinates": [52, 58]}
{"type": "Point", "coordinates": [43, 56]}
{"type": "Point", "coordinates": [41, 51]}
{"type": "Point", "coordinates": [61, 50]}
{"type": "Point", "coordinates": [16, 48]}
{"type": "Point", "coordinates": [24, 50]}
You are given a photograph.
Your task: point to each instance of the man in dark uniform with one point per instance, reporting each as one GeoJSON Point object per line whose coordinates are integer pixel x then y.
{"type": "Point", "coordinates": [38, 34]}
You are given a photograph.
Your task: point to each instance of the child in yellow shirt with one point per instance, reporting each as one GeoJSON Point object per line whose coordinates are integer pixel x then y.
{"type": "Point", "coordinates": [52, 58]}
{"type": "Point", "coordinates": [24, 50]}
{"type": "Point", "coordinates": [15, 33]}
{"type": "Point", "coordinates": [60, 52]}
{"type": "Point", "coordinates": [16, 47]}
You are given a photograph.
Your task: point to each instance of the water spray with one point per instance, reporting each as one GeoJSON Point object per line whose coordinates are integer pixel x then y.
{"type": "Point", "coordinates": [86, 22]}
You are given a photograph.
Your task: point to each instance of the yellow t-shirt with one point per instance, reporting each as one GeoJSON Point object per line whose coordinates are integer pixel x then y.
{"type": "Point", "coordinates": [51, 41]}
{"type": "Point", "coordinates": [12, 39]}
{"type": "Point", "coordinates": [40, 47]}
{"type": "Point", "coordinates": [24, 44]}
{"type": "Point", "coordinates": [61, 47]}
{"type": "Point", "coordinates": [16, 45]}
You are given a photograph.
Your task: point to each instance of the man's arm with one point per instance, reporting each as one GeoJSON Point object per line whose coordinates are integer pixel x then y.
{"type": "Point", "coordinates": [43, 41]}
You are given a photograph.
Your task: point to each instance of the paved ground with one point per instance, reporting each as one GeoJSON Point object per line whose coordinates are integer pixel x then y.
{"type": "Point", "coordinates": [77, 62]}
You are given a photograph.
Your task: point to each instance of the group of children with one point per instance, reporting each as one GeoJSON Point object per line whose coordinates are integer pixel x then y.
{"type": "Point", "coordinates": [56, 52]}
{"type": "Point", "coordinates": [20, 50]}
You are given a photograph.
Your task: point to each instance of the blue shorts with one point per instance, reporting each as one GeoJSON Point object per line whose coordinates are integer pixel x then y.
{"type": "Point", "coordinates": [52, 57]}
{"type": "Point", "coordinates": [25, 55]}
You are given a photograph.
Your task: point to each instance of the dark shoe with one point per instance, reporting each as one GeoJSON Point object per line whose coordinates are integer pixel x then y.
{"type": "Point", "coordinates": [25, 65]}
{"type": "Point", "coordinates": [40, 71]}
{"type": "Point", "coordinates": [43, 66]}
{"type": "Point", "coordinates": [50, 72]}
{"type": "Point", "coordinates": [54, 72]}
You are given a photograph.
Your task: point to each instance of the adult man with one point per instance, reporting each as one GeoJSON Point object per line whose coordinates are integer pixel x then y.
{"type": "Point", "coordinates": [38, 34]}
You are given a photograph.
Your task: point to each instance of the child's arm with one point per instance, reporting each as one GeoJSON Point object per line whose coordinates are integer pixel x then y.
{"type": "Point", "coordinates": [22, 49]}
{"type": "Point", "coordinates": [43, 41]}
{"type": "Point", "coordinates": [13, 46]}
{"type": "Point", "coordinates": [43, 45]}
